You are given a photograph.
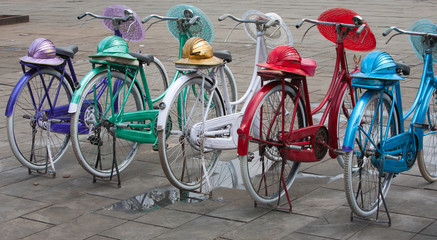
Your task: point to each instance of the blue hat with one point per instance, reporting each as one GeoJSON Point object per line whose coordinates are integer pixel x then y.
{"type": "Point", "coordinates": [378, 65]}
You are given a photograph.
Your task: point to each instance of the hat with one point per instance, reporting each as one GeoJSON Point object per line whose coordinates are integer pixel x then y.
{"type": "Point", "coordinates": [42, 51]}
{"type": "Point", "coordinates": [197, 51]}
{"type": "Point", "coordinates": [378, 65]}
{"type": "Point", "coordinates": [113, 46]}
{"type": "Point", "coordinates": [363, 42]}
{"type": "Point", "coordinates": [287, 59]}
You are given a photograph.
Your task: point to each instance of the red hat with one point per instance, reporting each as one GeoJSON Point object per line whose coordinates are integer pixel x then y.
{"type": "Point", "coordinates": [363, 42]}
{"type": "Point", "coordinates": [287, 59]}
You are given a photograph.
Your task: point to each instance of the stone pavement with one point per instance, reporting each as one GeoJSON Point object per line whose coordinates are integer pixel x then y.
{"type": "Point", "coordinates": [39, 207]}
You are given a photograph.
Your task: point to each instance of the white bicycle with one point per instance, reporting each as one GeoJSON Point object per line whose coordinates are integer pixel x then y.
{"type": "Point", "coordinates": [197, 120]}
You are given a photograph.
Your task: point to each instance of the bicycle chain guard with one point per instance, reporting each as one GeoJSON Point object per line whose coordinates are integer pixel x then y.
{"type": "Point", "coordinates": [130, 30]}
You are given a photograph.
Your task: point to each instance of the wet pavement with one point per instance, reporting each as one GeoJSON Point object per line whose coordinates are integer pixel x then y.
{"type": "Point", "coordinates": [71, 206]}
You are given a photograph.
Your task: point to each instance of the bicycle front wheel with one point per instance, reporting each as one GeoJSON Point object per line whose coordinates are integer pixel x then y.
{"type": "Point", "coordinates": [364, 183]}
{"type": "Point", "coordinates": [261, 168]}
{"type": "Point", "coordinates": [34, 111]}
{"type": "Point", "coordinates": [427, 157]}
{"type": "Point", "coordinates": [93, 126]}
{"type": "Point", "coordinates": [179, 143]}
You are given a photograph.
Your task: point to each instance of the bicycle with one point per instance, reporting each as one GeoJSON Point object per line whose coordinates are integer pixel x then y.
{"type": "Point", "coordinates": [39, 102]}
{"type": "Point", "coordinates": [376, 145]}
{"type": "Point", "coordinates": [277, 132]}
{"type": "Point", "coordinates": [113, 111]}
{"type": "Point", "coordinates": [196, 120]}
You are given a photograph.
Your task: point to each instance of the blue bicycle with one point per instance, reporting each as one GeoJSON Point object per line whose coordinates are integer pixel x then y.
{"type": "Point", "coordinates": [376, 145]}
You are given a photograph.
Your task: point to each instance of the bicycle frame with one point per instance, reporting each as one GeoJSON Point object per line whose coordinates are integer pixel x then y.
{"type": "Point", "coordinates": [214, 127]}
{"type": "Point", "coordinates": [405, 140]}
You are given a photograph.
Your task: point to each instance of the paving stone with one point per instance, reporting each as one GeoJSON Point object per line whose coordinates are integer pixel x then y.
{"type": "Point", "coordinates": [372, 232]}
{"type": "Point", "coordinates": [20, 227]}
{"type": "Point", "coordinates": [13, 207]}
{"type": "Point", "coordinates": [134, 230]}
{"type": "Point", "coordinates": [167, 218]}
{"type": "Point", "coordinates": [319, 202]}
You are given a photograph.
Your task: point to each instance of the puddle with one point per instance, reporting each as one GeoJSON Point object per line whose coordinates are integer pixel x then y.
{"type": "Point", "coordinates": [155, 199]}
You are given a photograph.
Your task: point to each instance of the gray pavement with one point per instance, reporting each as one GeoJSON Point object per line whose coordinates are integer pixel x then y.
{"type": "Point", "coordinates": [71, 206]}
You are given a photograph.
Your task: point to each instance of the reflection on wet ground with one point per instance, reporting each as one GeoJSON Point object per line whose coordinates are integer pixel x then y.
{"type": "Point", "coordinates": [155, 199]}
{"type": "Point", "coordinates": [226, 174]}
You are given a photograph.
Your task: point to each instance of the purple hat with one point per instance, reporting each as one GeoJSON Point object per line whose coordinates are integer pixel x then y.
{"type": "Point", "coordinates": [42, 51]}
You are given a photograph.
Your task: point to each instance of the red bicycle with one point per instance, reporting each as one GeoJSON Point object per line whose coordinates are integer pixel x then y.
{"type": "Point", "coordinates": [277, 132]}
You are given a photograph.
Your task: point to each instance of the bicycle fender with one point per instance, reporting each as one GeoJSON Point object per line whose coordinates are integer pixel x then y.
{"type": "Point", "coordinates": [354, 120]}
{"type": "Point", "coordinates": [171, 91]}
{"type": "Point", "coordinates": [243, 131]}
{"type": "Point", "coordinates": [17, 89]}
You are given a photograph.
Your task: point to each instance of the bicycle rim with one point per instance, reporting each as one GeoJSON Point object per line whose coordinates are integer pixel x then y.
{"type": "Point", "coordinates": [28, 124]}
{"type": "Point", "coordinates": [364, 183]}
{"type": "Point", "coordinates": [93, 125]}
{"type": "Point", "coordinates": [179, 151]}
{"type": "Point", "coordinates": [427, 157]}
{"type": "Point", "coordinates": [261, 168]}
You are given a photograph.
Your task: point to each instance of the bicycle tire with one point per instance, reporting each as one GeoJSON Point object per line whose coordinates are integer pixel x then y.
{"type": "Point", "coordinates": [427, 158]}
{"type": "Point", "coordinates": [261, 172]}
{"type": "Point", "coordinates": [179, 154]}
{"type": "Point", "coordinates": [27, 119]}
{"type": "Point", "coordinates": [342, 111]}
{"type": "Point", "coordinates": [359, 172]}
{"type": "Point", "coordinates": [92, 133]}
{"type": "Point", "coordinates": [157, 78]}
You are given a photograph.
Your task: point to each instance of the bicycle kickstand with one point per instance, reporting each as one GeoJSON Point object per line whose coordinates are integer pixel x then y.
{"type": "Point", "coordinates": [381, 171]}
{"type": "Point", "coordinates": [284, 185]}
{"type": "Point", "coordinates": [49, 152]}
{"type": "Point", "coordinates": [114, 162]}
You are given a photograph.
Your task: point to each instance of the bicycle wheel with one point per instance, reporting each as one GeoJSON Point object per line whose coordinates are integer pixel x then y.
{"type": "Point", "coordinates": [179, 150]}
{"type": "Point", "coordinates": [157, 78]}
{"type": "Point", "coordinates": [33, 110]}
{"type": "Point", "coordinates": [94, 123]}
{"type": "Point", "coordinates": [362, 178]}
{"type": "Point", "coordinates": [427, 157]}
{"type": "Point", "coordinates": [344, 111]}
{"type": "Point", "coordinates": [261, 169]}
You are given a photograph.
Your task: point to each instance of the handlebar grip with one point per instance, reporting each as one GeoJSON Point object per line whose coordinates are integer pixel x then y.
{"type": "Point", "coordinates": [193, 20]}
{"type": "Point", "coordinates": [223, 17]}
{"type": "Point", "coordinates": [146, 19]}
{"type": "Point", "coordinates": [81, 16]}
{"type": "Point", "coordinates": [360, 29]}
{"type": "Point", "coordinates": [272, 22]}
{"type": "Point", "coordinates": [387, 31]}
{"type": "Point", "coordinates": [300, 23]}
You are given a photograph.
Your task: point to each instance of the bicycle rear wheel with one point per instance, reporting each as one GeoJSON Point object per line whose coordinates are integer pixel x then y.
{"type": "Point", "coordinates": [32, 112]}
{"type": "Point", "coordinates": [261, 168]}
{"type": "Point", "coordinates": [94, 123]}
{"type": "Point", "coordinates": [427, 157]}
{"type": "Point", "coordinates": [179, 150]}
{"type": "Point", "coordinates": [362, 177]}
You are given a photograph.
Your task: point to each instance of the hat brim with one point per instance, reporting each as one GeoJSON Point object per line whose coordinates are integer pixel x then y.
{"type": "Point", "coordinates": [117, 55]}
{"type": "Point", "coordinates": [392, 76]}
{"type": "Point", "coordinates": [201, 62]}
{"type": "Point", "coordinates": [52, 61]}
{"type": "Point", "coordinates": [285, 69]}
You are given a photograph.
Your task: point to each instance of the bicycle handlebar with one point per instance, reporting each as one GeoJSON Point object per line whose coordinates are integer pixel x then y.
{"type": "Point", "coordinates": [128, 16]}
{"type": "Point", "coordinates": [401, 31]}
{"type": "Point", "coordinates": [190, 21]}
{"type": "Point", "coordinates": [317, 22]}
{"type": "Point", "coordinates": [267, 22]}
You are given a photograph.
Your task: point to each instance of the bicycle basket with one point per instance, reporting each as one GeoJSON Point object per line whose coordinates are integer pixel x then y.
{"type": "Point", "coordinates": [203, 27]}
{"type": "Point", "coordinates": [363, 42]}
{"type": "Point", "coordinates": [130, 30]}
{"type": "Point", "coordinates": [274, 36]}
{"type": "Point", "coordinates": [422, 25]}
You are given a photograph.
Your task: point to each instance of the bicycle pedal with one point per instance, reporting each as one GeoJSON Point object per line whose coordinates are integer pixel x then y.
{"type": "Point", "coordinates": [421, 125]}
{"type": "Point", "coordinates": [155, 147]}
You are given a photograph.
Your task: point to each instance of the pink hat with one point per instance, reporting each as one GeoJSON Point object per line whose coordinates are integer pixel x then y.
{"type": "Point", "coordinates": [42, 51]}
{"type": "Point", "coordinates": [287, 59]}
